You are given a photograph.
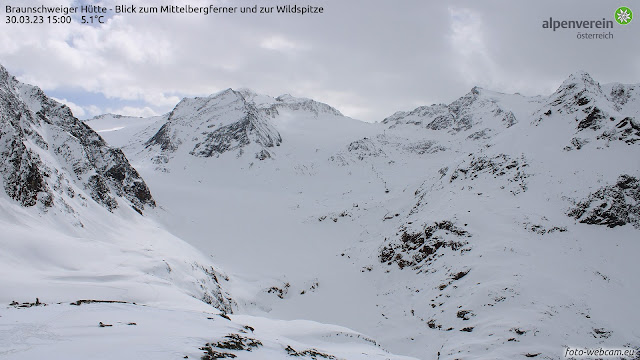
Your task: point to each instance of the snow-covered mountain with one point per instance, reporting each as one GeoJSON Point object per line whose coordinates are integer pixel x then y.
{"type": "Point", "coordinates": [495, 227]}
{"type": "Point", "coordinates": [469, 111]}
{"type": "Point", "coordinates": [230, 121]}
{"type": "Point", "coordinates": [609, 115]}
{"type": "Point", "coordinates": [88, 272]}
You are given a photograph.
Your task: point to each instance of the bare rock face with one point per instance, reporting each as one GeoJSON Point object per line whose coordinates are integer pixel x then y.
{"type": "Point", "coordinates": [48, 156]}
{"type": "Point", "coordinates": [613, 205]}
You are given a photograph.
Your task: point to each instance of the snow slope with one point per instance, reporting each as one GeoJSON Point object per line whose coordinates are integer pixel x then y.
{"type": "Point", "coordinates": [123, 127]}
{"type": "Point", "coordinates": [495, 227]}
{"type": "Point", "coordinates": [86, 277]}
{"type": "Point", "coordinates": [481, 229]}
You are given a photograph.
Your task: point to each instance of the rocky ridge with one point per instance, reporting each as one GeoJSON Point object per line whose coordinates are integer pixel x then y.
{"type": "Point", "coordinates": [49, 157]}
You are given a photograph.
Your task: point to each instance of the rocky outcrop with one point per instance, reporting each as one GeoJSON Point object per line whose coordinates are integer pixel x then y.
{"type": "Point", "coordinates": [416, 249]}
{"type": "Point", "coordinates": [613, 205]}
{"type": "Point", "coordinates": [502, 165]}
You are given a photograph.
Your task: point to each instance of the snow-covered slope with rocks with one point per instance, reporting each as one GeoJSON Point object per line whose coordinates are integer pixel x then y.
{"type": "Point", "coordinates": [469, 111]}
{"type": "Point", "coordinates": [62, 211]}
{"type": "Point", "coordinates": [85, 276]}
{"type": "Point", "coordinates": [496, 230]}
{"type": "Point", "coordinates": [495, 227]}
{"type": "Point", "coordinates": [469, 230]}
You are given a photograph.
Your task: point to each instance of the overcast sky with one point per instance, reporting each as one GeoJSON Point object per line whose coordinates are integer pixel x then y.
{"type": "Point", "coordinates": [368, 58]}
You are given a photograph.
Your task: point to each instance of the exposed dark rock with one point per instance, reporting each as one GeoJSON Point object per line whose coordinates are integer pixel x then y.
{"type": "Point", "coordinates": [213, 294]}
{"type": "Point", "coordinates": [280, 292]}
{"type": "Point", "coordinates": [592, 120]}
{"type": "Point", "coordinates": [498, 166]}
{"type": "Point", "coordinates": [576, 144]}
{"type": "Point", "coordinates": [542, 230]}
{"type": "Point", "coordinates": [465, 314]}
{"type": "Point", "coordinates": [211, 354]}
{"type": "Point", "coordinates": [627, 130]}
{"type": "Point", "coordinates": [613, 205]}
{"type": "Point", "coordinates": [234, 342]}
{"type": "Point", "coordinates": [441, 122]}
{"type": "Point", "coordinates": [433, 325]}
{"type": "Point", "coordinates": [101, 193]}
{"type": "Point", "coordinates": [601, 333]}
{"type": "Point", "coordinates": [163, 139]}
{"type": "Point", "coordinates": [415, 249]}
{"type": "Point", "coordinates": [312, 353]}
{"type": "Point", "coordinates": [459, 275]}
{"type": "Point", "coordinates": [263, 155]}
{"type": "Point", "coordinates": [80, 302]}
{"type": "Point", "coordinates": [24, 305]}
{"type": "Point", "coordinates": [237, 342]}
{"type": "Point", "coordinates": [620, 94]}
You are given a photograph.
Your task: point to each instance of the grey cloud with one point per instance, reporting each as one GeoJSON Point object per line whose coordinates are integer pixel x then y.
{"type": "Point", "coordinates": [368, 58]}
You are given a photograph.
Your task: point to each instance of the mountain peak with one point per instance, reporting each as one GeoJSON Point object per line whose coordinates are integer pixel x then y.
{"type": "Point", "coordinates": [110, 115]}
{"type": "Point", "coordinates": [224, 93]}
{"type": "Point", "coordinates": [580, 78]}
{"type": "Point", "coordinates": [5, 77]}
{"type": "Point", "coordinates": [579, 82]}
{"type": "Point", "coordinates": [288, 98]}
{"type": "Point", "coordinates": [578, 90]}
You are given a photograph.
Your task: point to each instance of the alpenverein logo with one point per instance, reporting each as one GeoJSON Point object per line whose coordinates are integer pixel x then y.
{"type": "Point", "coordinates": [624, 15]}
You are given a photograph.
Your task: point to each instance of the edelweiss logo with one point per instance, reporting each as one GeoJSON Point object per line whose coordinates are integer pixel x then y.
{"type": "Point", "coordinates": [624, 15]}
